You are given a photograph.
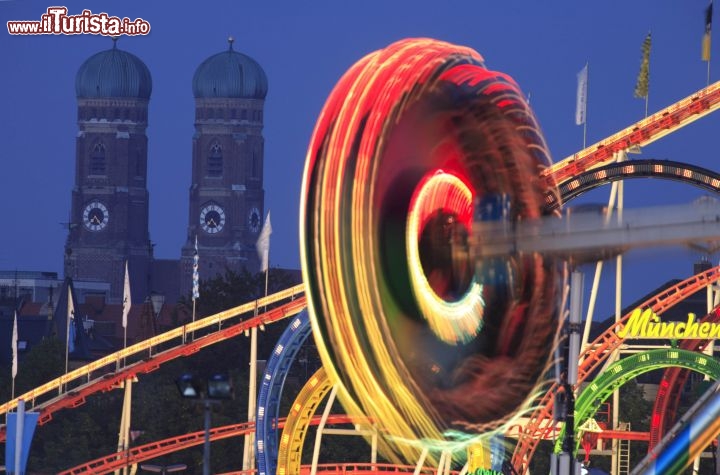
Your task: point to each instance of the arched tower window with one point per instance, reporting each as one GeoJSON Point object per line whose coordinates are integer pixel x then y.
{"type": "Point", "coordinates": [215, 161]}
{"type": "Point", "coordinates": [97, 160]}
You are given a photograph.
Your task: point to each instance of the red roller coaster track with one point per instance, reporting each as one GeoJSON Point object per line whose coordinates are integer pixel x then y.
{"type": "Point", "coordinates": [143, 453]}
{"type": "Point", "coordinates": [150, 362]}
{"type": "Point", "coordinates": [360, 468]}
{"type": "Point", "coordinates": [152, 450]}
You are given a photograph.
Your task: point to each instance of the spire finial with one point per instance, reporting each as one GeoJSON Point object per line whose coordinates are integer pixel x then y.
{"type": "Point", "coordinates": [231, 40]}
{"type": "Point", "coordinates": [114, 40]}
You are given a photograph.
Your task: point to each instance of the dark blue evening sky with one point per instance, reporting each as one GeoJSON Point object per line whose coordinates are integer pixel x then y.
{"type": "Point", "coordinates": [305, 47]}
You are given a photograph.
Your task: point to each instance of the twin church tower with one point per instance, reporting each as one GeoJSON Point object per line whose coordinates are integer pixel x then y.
{"type": "Point", "coordinates": [109, 213]}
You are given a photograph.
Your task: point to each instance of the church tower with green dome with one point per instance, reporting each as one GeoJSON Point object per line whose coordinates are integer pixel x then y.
{"type": "Point", "coordinates": [226, 204]}
{"type": "Point", "coordinates": [109, 207]}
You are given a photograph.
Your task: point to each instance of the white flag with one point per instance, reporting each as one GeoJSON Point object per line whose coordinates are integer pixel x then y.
{"type": "Point", "coordinates": [581, 107]}
{"type": "Point", "coordinates": [14, 347]}
{"type": "Point", "coordinates": [126, 297]}
{"type": "Point", "coordinates": [263, 244]}
{"type": "Point", "coordinates": [196, 273]}
{"type": "Point", "coordinates": [70, 330]}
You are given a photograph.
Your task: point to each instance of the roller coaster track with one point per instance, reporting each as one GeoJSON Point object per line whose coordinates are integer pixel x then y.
{"type": "Point", "coordinates": [673, 380]}
{"type": "Point", "coordinates": [361, 468]}
{"type": "Point", "coordinates": [640, 134]}
{"type": "Point", "coordinates": [622, 371]}
{"type": "Point", "coordinates": [598, 352]}
{"type": "Point", "coordinates": [297, 423]}
{"type": "Point", "coordinates": [273, 381]}
{"type": "Point", "coordinates": [645, 168]}
{"type": "Point", "coordinates": [116, 370]}
{"type": "Point", "coordinates": [152, 450]}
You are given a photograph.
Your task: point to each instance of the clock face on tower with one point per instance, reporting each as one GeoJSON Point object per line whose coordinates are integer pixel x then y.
{"type": "Point", "coordinates": [95, 216]}
{"type": "Point", "coordinates": [212, 219]}
{"type": "Point", "coordinates": [254, 220]}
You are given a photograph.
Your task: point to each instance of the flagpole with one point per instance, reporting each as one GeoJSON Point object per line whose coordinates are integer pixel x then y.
{"type": "Point", "coordinates": [70, 309]}
{"type": "Point", "coordinates": [127, 303]}
{"type": "Point", "coordinates": [707, 82]}
{"type": "Point", "coordinates": [195, 282]}
{"type": "Point", "coordinates": [647, 95]}
{"type": "Point", "coordinates": [263, 248]}
{"type": "Point", "coordinates": [267, 272]}
{"type": "Point", "coordinates": [192, 335]}
{"type": "Point", "coordinates": [581, 100]}
{"type": "Point", "coordinates": [587, 86]}
{"type": "Point", "coordinates": [708, 74]}
{"type": "Point", "coordinates": [707, 39]}
{"type": "Point", "coordinates": [14, 355]}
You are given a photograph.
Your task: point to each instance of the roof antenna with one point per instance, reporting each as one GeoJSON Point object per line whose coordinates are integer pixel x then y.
{"type": "Point", "coordinates": [231, 40]}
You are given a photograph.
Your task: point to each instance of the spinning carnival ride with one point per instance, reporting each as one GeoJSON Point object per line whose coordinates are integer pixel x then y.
{"type": "Point", "coordinates": [429, 348]}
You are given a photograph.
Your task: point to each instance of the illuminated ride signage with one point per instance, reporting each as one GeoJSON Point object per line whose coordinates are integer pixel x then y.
{"type": "Point", "coordinates": [486, 471]}
{"type": "Point", "coordinates": [646, 324]}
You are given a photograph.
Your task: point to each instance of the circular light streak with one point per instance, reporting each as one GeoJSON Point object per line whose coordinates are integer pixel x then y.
{"type": "Point", "coordinates": [440, 217]}
{"type": "Point", "coordinates": [393, 120]}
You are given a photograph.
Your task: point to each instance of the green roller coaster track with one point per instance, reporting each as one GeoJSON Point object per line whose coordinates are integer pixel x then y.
{"type": "Point", "coordinates": [629, 368]}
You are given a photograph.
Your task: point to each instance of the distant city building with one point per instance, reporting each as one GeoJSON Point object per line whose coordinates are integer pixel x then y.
{"type": "Point", "coordinates": [43, 288]}
{"type": "Point", "coordinates": [97, 328]}
{"type": "Point", "coordinates": [30, 286]}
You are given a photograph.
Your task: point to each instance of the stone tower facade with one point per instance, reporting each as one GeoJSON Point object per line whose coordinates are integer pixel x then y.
{"type": "Point", "coordinates": [226, 204]}
{"type": "Point", "coordinates": [109, 207]}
